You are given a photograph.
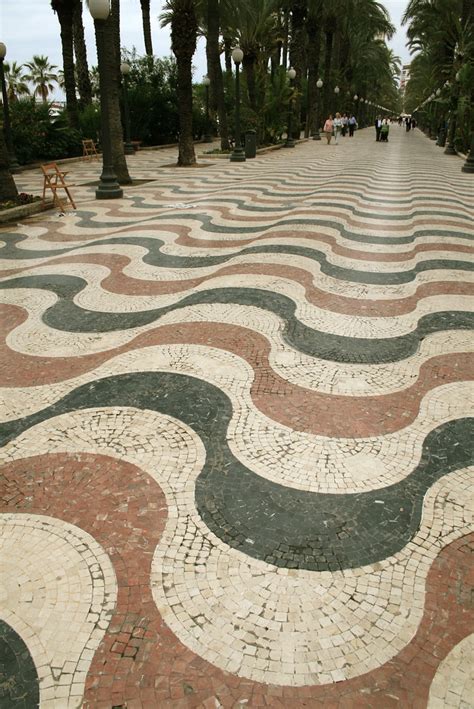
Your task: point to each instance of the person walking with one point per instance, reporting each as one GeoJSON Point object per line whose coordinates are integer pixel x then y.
{"type": "Point", "coordinates": [352, 126]}
{"type": "Point", "coordinates": [345, 123]}
{"type": "Point", "coordinates": [337, 127]}
{"type": "Point", "coordinates": [328, 128]}
{"type": "Point", "coordinates": [384, 130]}
{"type": "Point", "coordinates": [378, 126]}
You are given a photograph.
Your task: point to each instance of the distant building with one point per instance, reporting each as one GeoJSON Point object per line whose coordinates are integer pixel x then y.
{"type": "Point", "coordinates": [404, 77]}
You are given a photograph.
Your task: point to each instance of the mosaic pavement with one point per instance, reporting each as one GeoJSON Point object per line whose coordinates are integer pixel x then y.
{"type": "Point", "coordinates": [236, 435]}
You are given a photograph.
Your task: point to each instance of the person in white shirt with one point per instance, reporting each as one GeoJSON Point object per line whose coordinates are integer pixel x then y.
{"type": "Point", "coordinates": [337, 127]}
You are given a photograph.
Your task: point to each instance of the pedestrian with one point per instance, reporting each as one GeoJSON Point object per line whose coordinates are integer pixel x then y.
{"type": "Point", "coordinates": [337, 123]}
{"type": "Point", "coordinates": [352, 126]}
{"type": "Point", "coordinates": [345, 123]}
{"type": "Point", "coordinates": [408, 123]}
{"type": "Point", "coordinates": [378, 126]}
{"type": "Point", "coordinates": [328, 128]}
{"type": "Point", "coordinates": [384, 130]}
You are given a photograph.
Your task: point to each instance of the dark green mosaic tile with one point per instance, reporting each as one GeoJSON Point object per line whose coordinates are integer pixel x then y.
{"type": "Point", "coordinates": [286, 527]}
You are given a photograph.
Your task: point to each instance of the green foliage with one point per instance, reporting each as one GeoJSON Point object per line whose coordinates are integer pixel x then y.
{"type": "Point", "coordinates": [37, 135]}
{"type": "Point", "coordinates": [152, 98]}
{"type": "Point", "coordinates": [89, 121]}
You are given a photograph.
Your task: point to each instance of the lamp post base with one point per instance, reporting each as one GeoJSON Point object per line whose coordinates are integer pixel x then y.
{"type": "Point", "coordinates": [238, 155]}
{"type": "Point", "coordinates": [469, 164]}
{"type": "Point", "coordinates": [449, 150]}
{"type": "Point", "coordinates": [108, 188]}
{"type": "Point", "coordinates": [129, 149]}
{"type": "Point", "coordinates": [316, 135]}
{"type": "Point", "coordinates": [206, 138]}
{"type": "Point", "coordinates": [289, 143]}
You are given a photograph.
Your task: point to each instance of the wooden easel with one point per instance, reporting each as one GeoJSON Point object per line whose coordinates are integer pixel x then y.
{"type": "Point", "coordinates": [54, 181]}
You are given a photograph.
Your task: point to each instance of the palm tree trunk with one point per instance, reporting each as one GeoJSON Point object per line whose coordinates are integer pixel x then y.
{"type": "Point", "coordinates": [228, 55]}
{"type": "Point", "coordinates": [65, 13]}
{"type": "Point", "coordinates": [286, 30]}
{"type": "Point", "coordinates": [8, 188]}
{"type": "Point", "coordinates": [314, 50]}
{"type": "Point", "coordinates": [145, 4]}
{"type": "Point", "coordinates": [215, 69]}
{"type": "Point", "coordinates": [183, 43]}
{"type": "Point", "coordinates": [248, 63]}
{"type": "Point", "coordinates": [112, 69]}
{"type": "Point", "coordinates": [298, 56]}
{"type": "Point", "coordinates": [80, 51]}
{"type": "Point", "coordinates": [327, 73]}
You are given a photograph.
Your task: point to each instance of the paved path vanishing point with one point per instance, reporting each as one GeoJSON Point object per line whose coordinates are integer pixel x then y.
{"type": "Point", "coordinates": [235, 434]}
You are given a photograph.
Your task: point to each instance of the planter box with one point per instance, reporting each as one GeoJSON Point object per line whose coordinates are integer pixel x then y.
{"type": "Point", "coordinates": [24, 210]}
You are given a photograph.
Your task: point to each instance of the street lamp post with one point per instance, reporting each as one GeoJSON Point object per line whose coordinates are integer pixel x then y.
{"type": "Point", "coordinates": [6, 113]}
{"type": "Point", "coordinates": [336, 92]}
{"type": "Point", "coordinates": [289, 142]}
{"type": "Point", "coordinates": [238, 154]}
{"type": "Point", "coordinates": [207, 138]}
{"type": "Point", "coordinates": [125, 71]}
{"type": "Point", "coordinates": [108, 187]}
{"type": "Point", "coordinates": [319, 86]}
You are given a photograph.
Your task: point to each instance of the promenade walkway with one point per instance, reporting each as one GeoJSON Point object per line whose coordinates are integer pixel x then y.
{"type": "Point", "coordinates": [235, 439]}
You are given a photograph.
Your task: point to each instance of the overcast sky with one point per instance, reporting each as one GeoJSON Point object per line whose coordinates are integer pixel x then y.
{"type": "Point", "coordinates": [30, 27]}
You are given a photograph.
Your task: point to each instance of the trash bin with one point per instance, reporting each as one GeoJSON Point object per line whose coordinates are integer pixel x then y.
{"type": "Point", "coordinates": [250, 144]}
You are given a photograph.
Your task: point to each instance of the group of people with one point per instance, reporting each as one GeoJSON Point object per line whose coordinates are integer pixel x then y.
{"type": "Point", "coordinates": [382, 129]}
{"type": "Point", "coordinates": [339, 126]}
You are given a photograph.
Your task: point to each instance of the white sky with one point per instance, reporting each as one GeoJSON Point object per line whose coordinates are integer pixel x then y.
{"type": "Point", "coordinates": [30, 27]}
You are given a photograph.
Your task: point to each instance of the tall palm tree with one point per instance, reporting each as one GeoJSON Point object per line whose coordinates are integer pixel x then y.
{"type": "Point", "coordinates": [145, 5]}
{"type": "Point", "coordinates": [298, 49]}
{"type": "Point", "coordinates": [214, 68]}
{"type": "Point", "coordinates": [441, 33]}
{"type": "Point", "coordinates": [16, 82]}
{"type": "Point", "coordinates": [254, 24]}
{"type": "Point", "coordinates": [65, 12]}
{"type": "Point", "coordinates": [315, 31]}
{"type": "Point", "coordinates": [41, 74]}
{"type": "Point", "coordinates": [80, 53]}
{"type": "Point", "coordinates": [181, 14]}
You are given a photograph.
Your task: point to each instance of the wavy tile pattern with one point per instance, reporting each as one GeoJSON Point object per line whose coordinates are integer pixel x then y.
{"type": "Point", "coordinates": [236, 419]}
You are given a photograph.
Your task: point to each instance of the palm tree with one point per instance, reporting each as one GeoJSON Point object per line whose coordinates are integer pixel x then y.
{"type": "Point", "coordinates": [314, 31]}
{"type": "Point", "coordinates": [65, 12]}
{"type": "Point", "coordinates": [214, 68]}
{"type": "Point", "coordinates": [41, 75]}
{"type": "Point", "coordinates": [441, 33]}
{"type": "Point", "coordinates": [145, 5]}
{"type": "Point", "coordinates": [298, 48]}
{"type": "Point", "coordinates": [16, 82]}
{"type": "Point", "coordinates": [254, 24]}
{"type": "Point", "coordinates": [181, 14]}
{"type": "Point", "coordinates": [80, 53]}
{"type": "Point", "coordinates": [8, 188]}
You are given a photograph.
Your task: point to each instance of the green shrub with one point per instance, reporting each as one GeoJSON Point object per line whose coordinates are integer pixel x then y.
{"type": "Point", "coordinates": [89, 121]}
{"type": "Point", "coordinates": [39, 136]}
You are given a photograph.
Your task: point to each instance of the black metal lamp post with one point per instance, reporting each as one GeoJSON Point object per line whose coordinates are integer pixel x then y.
{"type": "Point", "coordinates": [125, 71]}
{"type": "Point", "coordinates": [289, 142]}
{"type": "Point", "coordinates": [6, 113]}
{"type": "Point", "coordinates": [238, 154]}
{"type": "Point", "coordinates": [207, 138]}
{"type": "Point", "coordinates": [319, 86]}
{"type": "Point", "coordinates": [108, 187]}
